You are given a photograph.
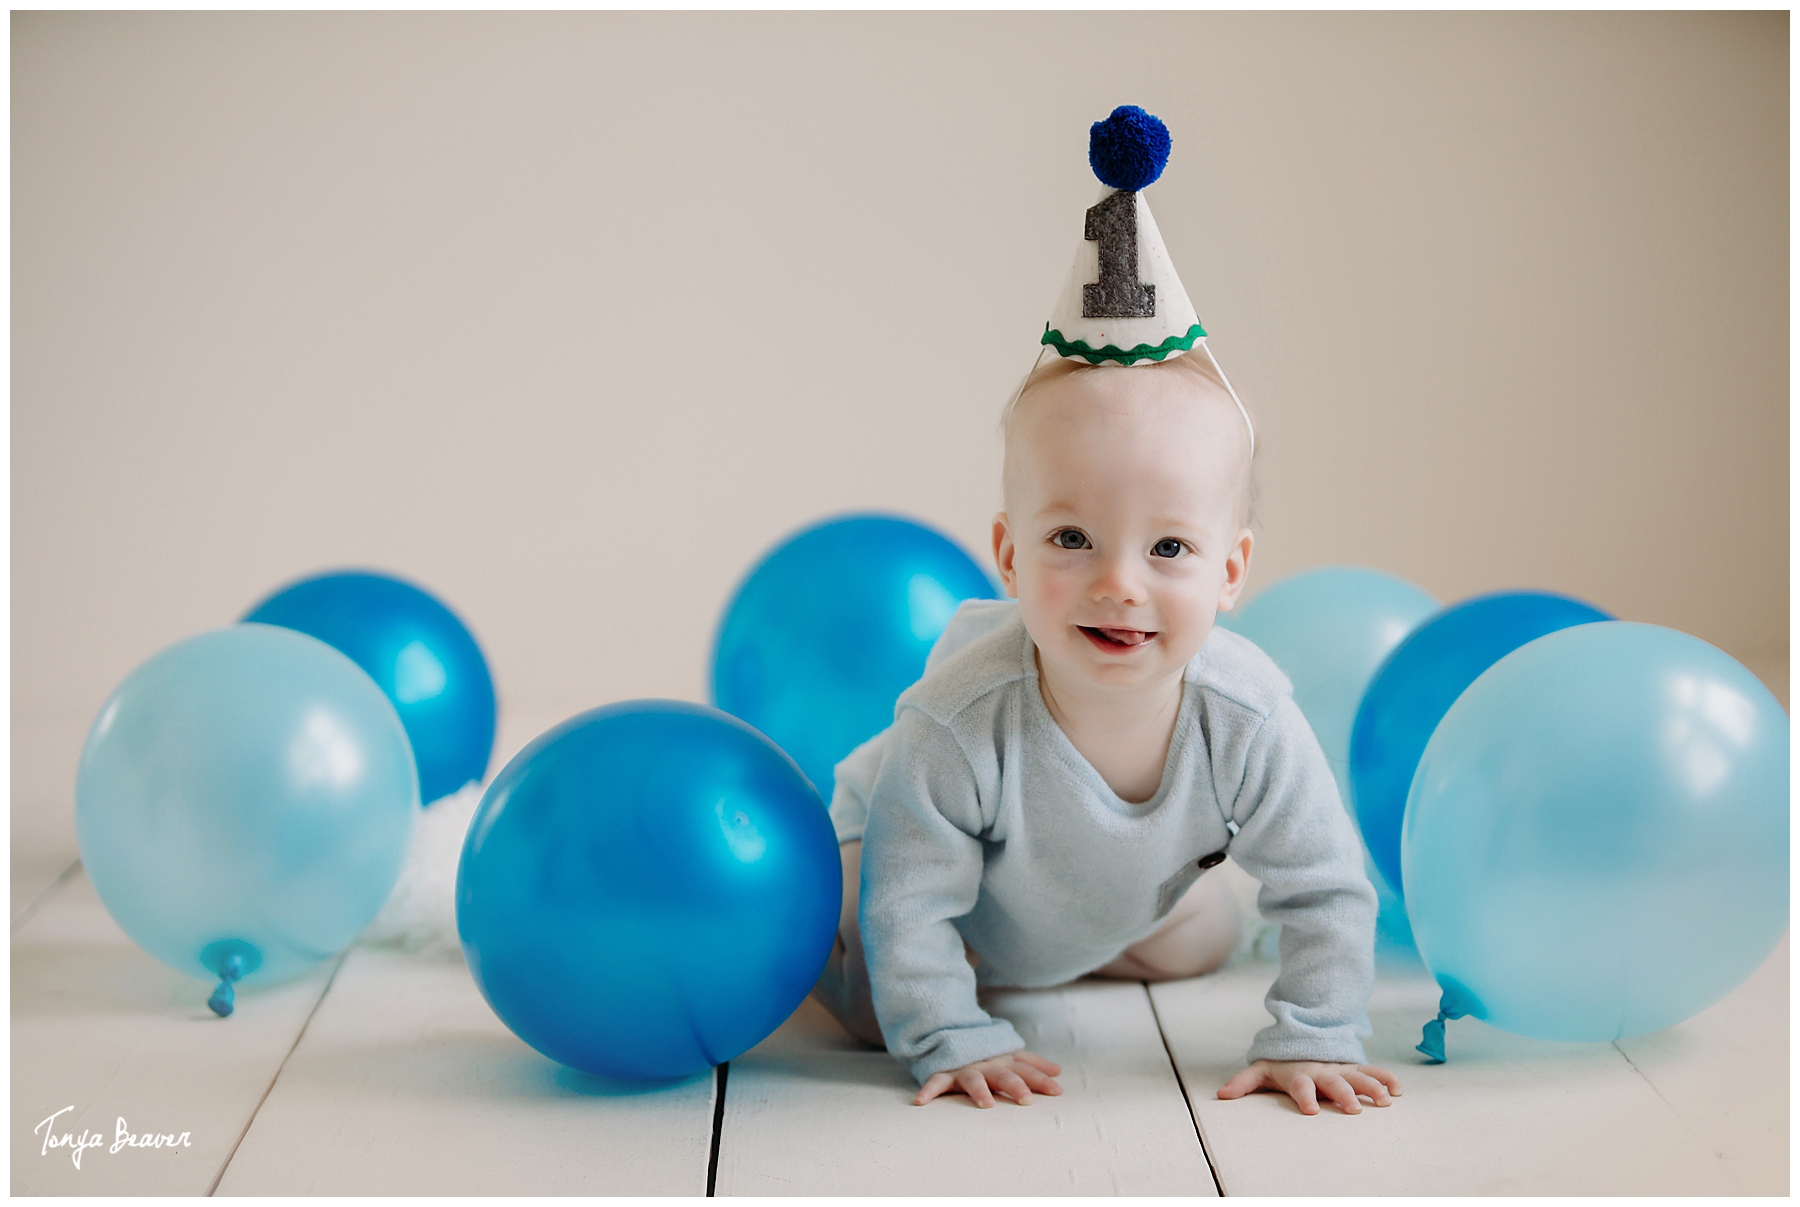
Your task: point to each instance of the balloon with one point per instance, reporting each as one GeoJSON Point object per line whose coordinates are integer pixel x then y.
{"type": "Point", "coordinates": [1328, 631]}
{"type": "Point", "coordinates": [1596, 840]}
{"type": "Point", "coordinates": [647, 890]}
{"type": "Point", "coordinates": [831, 626]}
{"type": "Point", "coordinates": [417, 651]}
{"type": "Point", "coordinates": [245, 799]}
{"type": "Point", "coordinates": [1416, 686]}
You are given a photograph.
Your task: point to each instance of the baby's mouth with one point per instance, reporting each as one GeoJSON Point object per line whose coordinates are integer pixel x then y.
{"type": "Point", "coordinates": [1116, 640]}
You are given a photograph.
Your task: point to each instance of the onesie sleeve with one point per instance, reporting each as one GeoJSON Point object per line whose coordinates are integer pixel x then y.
{"type": "Point", "coordinates": [854, 777]}
{"type": "Point", "coordinates": [921, 870]}
{"type": "Point", "coordinates": [1295, 837]}
{"type": "Point", "coordinates": [852, 781]}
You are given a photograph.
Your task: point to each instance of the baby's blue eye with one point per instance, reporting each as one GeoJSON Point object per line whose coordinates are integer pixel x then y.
{"type": "Point", "coordinates": [1167, 547]}
{"type": "Point", "coordinates": [1070, 538]}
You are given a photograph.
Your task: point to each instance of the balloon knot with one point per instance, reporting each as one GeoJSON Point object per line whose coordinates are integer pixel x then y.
{"type": "Point", "coordinates": [224, 999]}
{"type": "Point", "coordinates": [1431, 1043]}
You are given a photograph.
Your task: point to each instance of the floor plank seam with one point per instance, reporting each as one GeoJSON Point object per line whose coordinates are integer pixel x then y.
{"type": "Point", "coordinates": [718, 1128]}
{"type": "Point", "coordinates": [1181, 1084]}
{"type": "Point", "coordinates": [270, 1088]}
{"type": "Point", "coordinates": [30, 908]}
{"type": "Point", "coordinates": [1673, 1110]}
{"type": "Point", "coordinates": [1648, 1080]}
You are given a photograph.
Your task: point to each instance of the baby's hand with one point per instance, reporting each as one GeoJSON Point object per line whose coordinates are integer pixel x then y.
{"type": "Point", "coordinates": [1016, 1075]}
{"type": "Point", "coordinates": [1302, 1080]}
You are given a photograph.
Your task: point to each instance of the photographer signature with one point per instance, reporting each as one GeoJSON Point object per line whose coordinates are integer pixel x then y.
{"type": "Point", "coordinates": [122, 1139]}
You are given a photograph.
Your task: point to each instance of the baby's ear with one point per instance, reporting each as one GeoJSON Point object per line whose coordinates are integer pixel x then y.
{"type": "Point", "coordinates": [1237, 570]}
{"type": "Point", "coordinates": [1003, 555]}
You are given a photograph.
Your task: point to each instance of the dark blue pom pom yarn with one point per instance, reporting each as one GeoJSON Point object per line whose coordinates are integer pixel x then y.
{"type": "Point", "coordinates": [1128, 149]}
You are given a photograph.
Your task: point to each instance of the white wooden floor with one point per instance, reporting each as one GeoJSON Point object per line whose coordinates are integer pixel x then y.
{"type": "Point", "coordinates": [385, 1072]}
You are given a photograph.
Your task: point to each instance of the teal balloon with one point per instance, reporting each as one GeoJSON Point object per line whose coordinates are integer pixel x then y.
{"type": "Point", "coordinates": [831, 626]}
{"type": "Point", "coordinates": [648, 890]}
{"type": "Point", "coordinates": [1328, 630]}
{"type": "Point", "coordinates": [418, 652]}
{"type": "Point", "coordinates": [247, 795]}
{"type": "Point", "coordinates": [1416, 685]}
{"type": "Point", "coordinates": [1596, 840]}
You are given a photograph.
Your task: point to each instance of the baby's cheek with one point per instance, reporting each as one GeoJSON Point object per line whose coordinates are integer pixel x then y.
{"type": "Point", "coordinates": [1045, 593]}
{"type": "Point", "coordinates": [1043, 605]}
{"type": "Point", "coordinates": [1190, 608]}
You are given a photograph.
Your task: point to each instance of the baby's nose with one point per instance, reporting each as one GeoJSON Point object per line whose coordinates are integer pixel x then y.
{"type": "Point", "coordinates": [1116, 580]}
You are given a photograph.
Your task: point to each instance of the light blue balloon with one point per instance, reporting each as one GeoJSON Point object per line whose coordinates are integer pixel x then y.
{"type": "Point", "coordinates": [245, 799]}
{"type": "Point", "coordinates": [1329, 630]}
{"type": "Point", "coordinates": [1596, 841]}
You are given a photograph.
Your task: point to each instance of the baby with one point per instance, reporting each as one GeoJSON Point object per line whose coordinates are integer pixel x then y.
{"type": "Point", "coordinates": [1051, 794]}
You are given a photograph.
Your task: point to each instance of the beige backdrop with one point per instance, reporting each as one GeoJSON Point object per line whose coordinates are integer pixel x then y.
{"type": "Point", "coordinates": [570, 316]}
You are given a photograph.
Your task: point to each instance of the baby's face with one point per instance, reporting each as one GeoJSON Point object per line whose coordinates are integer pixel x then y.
{"type": "Point", "coordinates": [1123, 535]}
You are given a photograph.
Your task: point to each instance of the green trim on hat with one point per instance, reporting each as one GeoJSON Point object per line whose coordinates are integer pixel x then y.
{"type": "Point", "coordinates": [1081, 348]}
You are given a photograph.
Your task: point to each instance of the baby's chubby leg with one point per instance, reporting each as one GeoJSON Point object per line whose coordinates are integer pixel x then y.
{"type": "Point", "coordinates": [1197, 936]}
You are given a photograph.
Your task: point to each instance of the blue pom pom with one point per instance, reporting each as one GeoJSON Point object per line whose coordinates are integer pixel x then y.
{"type": "Point", "coordinates": [1128, 149]}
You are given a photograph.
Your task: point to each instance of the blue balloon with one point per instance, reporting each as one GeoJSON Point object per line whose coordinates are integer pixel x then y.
{"type": "Point", "coordinates": [420, 654]}
{"type": "Point", "coordinates": [245, 800]}
{"type": "Point", "coordinates": [1596, 841]}
{"type": "Point", "coordinates": [1416, 686]}
{"type": "Point", "coordinates": [647, 890]}
{"type": "Point", "coordinates": [831, 626]}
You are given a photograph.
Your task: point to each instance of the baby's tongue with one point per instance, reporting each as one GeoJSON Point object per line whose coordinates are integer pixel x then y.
{"type": "Point", "coordinates": [1127, 636]}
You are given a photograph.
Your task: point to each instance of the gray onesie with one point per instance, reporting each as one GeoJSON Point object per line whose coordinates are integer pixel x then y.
{"type": "Point", "coordinates": [982, 824]}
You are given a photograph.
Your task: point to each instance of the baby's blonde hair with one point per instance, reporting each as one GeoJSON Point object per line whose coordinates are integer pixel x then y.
{"type": "Point", "coordinates": [1197, 364]}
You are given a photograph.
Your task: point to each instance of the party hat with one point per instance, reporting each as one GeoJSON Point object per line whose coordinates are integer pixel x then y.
{"type": "Point", "coordinates": [1124, 303]}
